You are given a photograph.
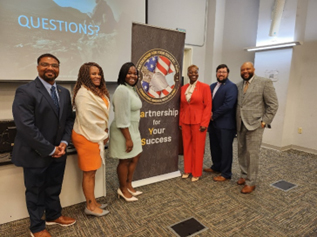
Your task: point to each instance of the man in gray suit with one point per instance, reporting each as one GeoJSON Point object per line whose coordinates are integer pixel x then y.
{"type": "Point", "coordinates": [44, 120]}
{"type": "Point", "coordinates": [256, 108]}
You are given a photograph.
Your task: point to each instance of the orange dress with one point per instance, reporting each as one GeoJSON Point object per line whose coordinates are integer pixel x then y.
{"type": "Point", "coordinates": [88, 152]}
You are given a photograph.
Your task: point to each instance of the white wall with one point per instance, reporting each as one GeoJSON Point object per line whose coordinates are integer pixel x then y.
{"type": "Point", "coordinates": [180, 14]}
{"type": "Point", "coordinates": [214, 40]}
{"type": "Point", "coordinates": [287, 26]}
{"type": "Point", "coordinates": [296, 74]}
{"type": "Point", "coordinates": [240, 27]}
{"type": "Point", "coordinates": [306, 112]}
{"type": "Point", "coordinates": [305, 64]}
{"type": "Point", "coordinates": [231, 27]}
{"type": "Point", "coordinates": [277, 60]}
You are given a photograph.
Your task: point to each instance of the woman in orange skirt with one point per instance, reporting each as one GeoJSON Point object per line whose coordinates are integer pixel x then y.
{"type": "Point", "coordinates": [90, 131]}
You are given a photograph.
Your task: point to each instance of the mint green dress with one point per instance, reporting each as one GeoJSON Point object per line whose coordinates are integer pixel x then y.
{"type": "Point", "coordinates": [126, 107]}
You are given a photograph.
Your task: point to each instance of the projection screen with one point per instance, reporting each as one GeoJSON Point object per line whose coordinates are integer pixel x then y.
{"type": "Point", "coordinates": [76, 31]}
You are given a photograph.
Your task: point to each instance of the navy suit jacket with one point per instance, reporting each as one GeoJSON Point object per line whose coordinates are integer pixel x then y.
{"type": "Point", "coordinates": [39, 125]}
{"type": "Point", "coordinates": [224, 105]}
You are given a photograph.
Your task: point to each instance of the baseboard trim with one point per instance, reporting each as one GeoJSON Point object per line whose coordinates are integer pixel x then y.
{"type": "Point", "coordinates": [156, 179]}
{"type": "Point", "coordinates": [288, 147]}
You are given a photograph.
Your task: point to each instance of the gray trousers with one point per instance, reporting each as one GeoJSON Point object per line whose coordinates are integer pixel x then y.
{"type": "Point", "coordinates": [249, 144]}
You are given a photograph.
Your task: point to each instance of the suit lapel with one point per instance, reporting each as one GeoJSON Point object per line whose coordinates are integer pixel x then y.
{"type": "Point", "coordinates": [250, 88]}
{"type": "Point", "coordinates": [61, 100]}
{"type": "Point", "coordinates": [240, 89]}
{"type": "Point", "coordinates": [196, 90]}
{"type": "Point", "coordinates": [212, 87]}
{"type": "Point", "coordinates": [46, 95]}
{"type": "Point", "coordinates": [219, 89]}
{"type": "Point", "coordinates": [185, 87]}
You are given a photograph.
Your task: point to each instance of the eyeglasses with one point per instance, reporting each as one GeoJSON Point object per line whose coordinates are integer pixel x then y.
{"type": "Point", "coordinates": [222, 72]}
{"type": "Point", "coordinates": [54, 65]}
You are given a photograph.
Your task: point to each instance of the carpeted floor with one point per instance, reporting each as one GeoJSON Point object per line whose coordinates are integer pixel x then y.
{"type": "Point", "coordinates": [221, 207]}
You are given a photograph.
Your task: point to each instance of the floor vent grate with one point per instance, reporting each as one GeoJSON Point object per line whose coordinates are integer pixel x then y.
{"type": "Point", "coordinates": [188, 227]}
{"type": "Point", "coordinates": [283, 185]}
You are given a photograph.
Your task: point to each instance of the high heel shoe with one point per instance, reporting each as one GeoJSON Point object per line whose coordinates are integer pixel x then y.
{"type": "Point", "coordinates": [102, 206]}
{"type": "Point", "coordinates": [131, 199]}
{"type": "Point", "coordinates": [103, 213]}
{"type": "Point", "coordinates": [194, 179]}
{"type": "Point", "coordinates": [135, 193]}
{"type": "Point", "coordinates": [185, 176]}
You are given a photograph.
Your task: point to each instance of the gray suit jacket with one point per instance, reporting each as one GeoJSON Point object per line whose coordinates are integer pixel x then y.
{"type": "Point", "coordinates": [258, 104]}
{"type": "Point", "coordinates": [39, 125]}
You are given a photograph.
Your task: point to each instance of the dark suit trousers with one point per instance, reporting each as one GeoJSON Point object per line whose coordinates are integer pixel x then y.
{"type": "Point", "coordinates": [221, 149]}
{"type": "Point", "coordinates": [43, 186]}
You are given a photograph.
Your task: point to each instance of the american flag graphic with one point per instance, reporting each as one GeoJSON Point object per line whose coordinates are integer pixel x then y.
{"type": "Point", "coordinates": [162, 65]}
{"type": "Point", "coordinates": [151, 63]}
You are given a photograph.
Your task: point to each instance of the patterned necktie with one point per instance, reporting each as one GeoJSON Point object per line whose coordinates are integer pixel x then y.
{"type": "Point", "coordinates": [246, 85]}
{"type": "Point", "coordinates": [54, 97]}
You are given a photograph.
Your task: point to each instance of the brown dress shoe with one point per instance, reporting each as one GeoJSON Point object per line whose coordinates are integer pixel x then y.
{"type": "Point", "coordinates": [62, 221]}
{"type": "Point", "coordinates": [219, 178]}
{"type": "Point", "coordinates": [247, 189]}
{"type": "Point", "coordinates": [210, 170]}
{"type": "Point", "coordinates": [43, 233]}
{"type": "Point", "coordinates": [241, 181]}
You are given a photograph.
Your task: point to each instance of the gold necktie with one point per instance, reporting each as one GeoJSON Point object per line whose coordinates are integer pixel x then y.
{"type": "Point", "coordinates": [246, 85]}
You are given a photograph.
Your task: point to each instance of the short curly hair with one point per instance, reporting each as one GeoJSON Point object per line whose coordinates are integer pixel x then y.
{"type": "Point", "coordinates": [191, 66]}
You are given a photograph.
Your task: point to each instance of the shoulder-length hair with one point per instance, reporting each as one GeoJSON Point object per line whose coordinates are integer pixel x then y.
{"type": "Point", "coordinates": [123, 73]}
{"type": "Point", "coordinates": [84, 79]}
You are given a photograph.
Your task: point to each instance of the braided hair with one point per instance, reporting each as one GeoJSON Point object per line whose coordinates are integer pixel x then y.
{"type": "Point", "coordinates": [84, 79]}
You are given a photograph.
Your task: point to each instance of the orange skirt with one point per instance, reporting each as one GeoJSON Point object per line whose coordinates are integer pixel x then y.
{"type": "Point", "coordinates": [88, 153]}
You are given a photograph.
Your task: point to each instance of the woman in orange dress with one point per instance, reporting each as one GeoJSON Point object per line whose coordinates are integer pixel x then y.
{"type": "Point", "coordinates": [90, 131]}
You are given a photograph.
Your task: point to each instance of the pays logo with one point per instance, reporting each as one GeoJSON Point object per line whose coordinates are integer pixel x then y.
{"type": "Point", "coordinates": [159, 76]}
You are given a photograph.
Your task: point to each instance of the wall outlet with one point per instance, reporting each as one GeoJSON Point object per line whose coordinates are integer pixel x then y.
{"type": "Point", "coordinates": [300, 130]}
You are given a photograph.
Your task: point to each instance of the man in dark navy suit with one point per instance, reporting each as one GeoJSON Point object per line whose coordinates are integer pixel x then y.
{"type": "Point", "coordinates": [43, 116]}
{"type": "Point", "coordinates": [222, 126]}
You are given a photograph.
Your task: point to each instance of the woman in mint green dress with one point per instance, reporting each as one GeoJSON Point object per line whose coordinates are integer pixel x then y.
{"type": "Point", "coordinates": [125, 138]}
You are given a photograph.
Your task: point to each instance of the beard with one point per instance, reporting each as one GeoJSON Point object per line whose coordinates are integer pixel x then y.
{"type": "Point", "coordinates": [248, 78]}
{"type": "Point", "coordinates": [49, 78]}
{"type": "Point", "coordinates": [221, 81]}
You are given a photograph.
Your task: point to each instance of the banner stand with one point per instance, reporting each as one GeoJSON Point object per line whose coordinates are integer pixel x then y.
{"type": "Point", "coordinates": [158, 56]}
{"type": "Point", "coordinates": [156, 179]}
